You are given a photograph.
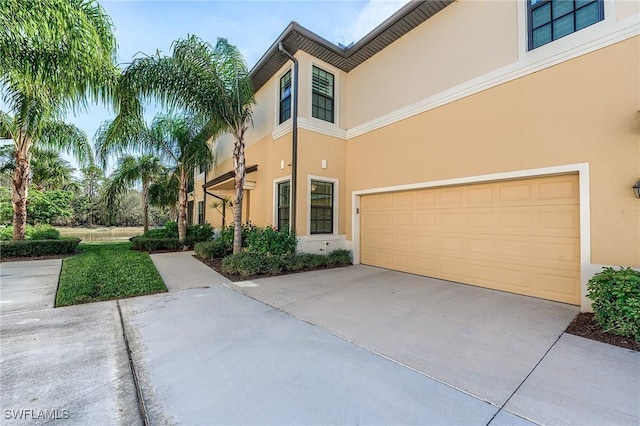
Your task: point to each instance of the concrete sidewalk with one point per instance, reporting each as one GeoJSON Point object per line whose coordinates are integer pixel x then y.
{"type": "Point", "coordinates": [69, 364]}
{"type": "Point", "coordinates": [180, 270]}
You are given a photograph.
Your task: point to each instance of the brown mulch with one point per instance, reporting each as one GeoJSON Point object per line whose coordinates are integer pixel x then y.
{"type": "Point", "coordinates": [216, 265]}
{"type": "Point", "coordinates": [584, 325]}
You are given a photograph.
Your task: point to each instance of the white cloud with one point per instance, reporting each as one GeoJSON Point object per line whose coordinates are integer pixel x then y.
{"type": "Point", "coordinates": [371, 15]}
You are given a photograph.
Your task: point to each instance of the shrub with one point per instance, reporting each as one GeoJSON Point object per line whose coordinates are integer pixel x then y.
{"type": "Point", "coordinates": [226, 235]}
{"type": "Point", "coordinates": [616, 301]}
{"type": "Point", "coordinates": [44, 232]}
{"type": "Point", "coordinates": [339, 257]}
{"type": "Point", "coordinates": [152, 244]}
{"type": "Point", "coordinates": [244, 264]}
{"type": "Point", "coordinates": [311, 260]}
{"type": "Point", "coordinates": [157, 233]}
{"type": "Point", "coordinates": [212, 249]}
{"type": "Point", "coordinates": [38, 232]}
{"type": "Point", "coordinates": [269, 241]}
{"type": "Point", "coordinates": [25, 248]}
{"type": "Point", "coordinates": [200, 232]}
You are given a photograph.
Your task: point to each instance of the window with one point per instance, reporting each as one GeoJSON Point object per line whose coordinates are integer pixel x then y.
{"type": "Point", "coordinates": [321, 219]}
{"type": "Point", "coordinates": [284, 196]}
{"type": "Point", "coordinates": [285, 97]}
{"type": "Point", "coordinates": [322, 95]}
{"type": "Point", "coordinates": [552, 19]}
{"type": "Point", "coordinates": [190, 213]}
{"type": "Point", "coordinates": [200, 212]}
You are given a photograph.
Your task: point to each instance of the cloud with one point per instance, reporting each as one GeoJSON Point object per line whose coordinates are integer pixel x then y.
{"type": "Point", "coordinates": [371, 15]}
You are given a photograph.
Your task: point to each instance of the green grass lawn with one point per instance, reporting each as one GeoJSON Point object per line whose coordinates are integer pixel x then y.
{"type": "Point", "coordinates": [107, 271]}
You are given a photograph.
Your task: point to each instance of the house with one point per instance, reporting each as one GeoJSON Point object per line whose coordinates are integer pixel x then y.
{"type": "Point", "coordinates": [493, 143]}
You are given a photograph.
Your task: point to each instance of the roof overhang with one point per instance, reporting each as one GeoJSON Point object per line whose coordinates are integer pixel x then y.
{"type": "Point", "coordinates": [295, 37]}
{"type": "Point", "coordinates": [226, 182]}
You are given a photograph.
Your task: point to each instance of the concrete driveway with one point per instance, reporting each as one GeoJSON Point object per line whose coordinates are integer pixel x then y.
{"type": "Point", "coordinates": [356, 345]}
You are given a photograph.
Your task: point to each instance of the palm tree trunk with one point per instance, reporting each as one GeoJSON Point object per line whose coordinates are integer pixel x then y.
{"type": "Point", "coordinates": [240, 168]}
{"type": "Point", "coordinates": [145, 205]}
{"type": "Point", "coordinates": [182, 206]}
{"type": "Point", "coordinates": [20, 186]}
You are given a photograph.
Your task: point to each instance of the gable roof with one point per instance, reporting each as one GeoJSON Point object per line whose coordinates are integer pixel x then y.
{"type": "Point", "coordinates": [296, 37]}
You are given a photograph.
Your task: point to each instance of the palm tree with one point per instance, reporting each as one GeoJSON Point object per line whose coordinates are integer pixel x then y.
{"type": "Point", "coordinates": [49, 171]}
{"type": "Point", "coordinates": [130, 170]}
{"type": "Point", "coordinates": [210, 82]}
{"type": "Point", "coordinates": [54, 56]}
{"type": "Point", "coordinates": [179, 141]}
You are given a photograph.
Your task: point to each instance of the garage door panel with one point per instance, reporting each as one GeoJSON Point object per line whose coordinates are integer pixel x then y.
{"type": "Point", "coordinates": [519, 236]}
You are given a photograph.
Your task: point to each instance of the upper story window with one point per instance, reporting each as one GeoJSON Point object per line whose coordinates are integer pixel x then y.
{"type": "Point", "coordinates": [285, 97]}
{"type": "Point", "coordinates": [552, 19]}
{"type": "Point", "coordinates": [322, 97]}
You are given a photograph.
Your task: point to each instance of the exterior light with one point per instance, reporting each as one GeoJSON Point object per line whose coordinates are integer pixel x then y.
{"type": "Point", "coordinates": [636, 189]}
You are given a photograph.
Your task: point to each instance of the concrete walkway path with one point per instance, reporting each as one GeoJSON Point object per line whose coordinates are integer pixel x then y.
{"type": "Point", "coordinates": [181, 271]}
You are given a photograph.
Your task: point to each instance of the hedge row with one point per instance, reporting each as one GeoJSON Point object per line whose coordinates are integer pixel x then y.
{"type": "Point", "coordinates": [154, 244]}
{"type": "Point", "coordinates": [249, 264]}
{"type": "Point", "coordinates": [27, 248]}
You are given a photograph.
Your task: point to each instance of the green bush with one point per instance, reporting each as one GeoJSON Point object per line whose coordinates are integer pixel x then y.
{"type": "Point", "coordinates": [26, 248]}
{"type": "Point", "coordinates": [226, 234]}
{"type": "Point", "coordinates": [153, 244]}
{"type": "Point", "coordinates": [616, 301]}
{"type": "Point", "coordinates": [339, 257]}
{"type": "Point", "coordinates": [195, 233]}
{"type": "Point", "coordinates": [270, 241]}
{"type": "Point", "coordinates": [212, 249]}
{"type": "Point", "coordinates": [44, 232]}
{"type": "Point", "coordinates": [248, 264]}
{"type": "Point", "coordinates": [244, 264]}
{"type": "Point", "coordinates": [157, 233]}
{"type": "Point", "coordinates": [38, 232]}
{"type": "Point", "coordinates": [200, 232]}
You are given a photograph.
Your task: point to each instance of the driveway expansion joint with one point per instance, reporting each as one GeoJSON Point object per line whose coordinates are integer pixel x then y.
{"type": "Point", "coordinates": [142, 409]}
{"type": "Point", "coordinates": [524, 380]}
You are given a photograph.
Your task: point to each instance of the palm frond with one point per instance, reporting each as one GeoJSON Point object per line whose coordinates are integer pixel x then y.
{"type": "Point", "coordinates": [69, 138]}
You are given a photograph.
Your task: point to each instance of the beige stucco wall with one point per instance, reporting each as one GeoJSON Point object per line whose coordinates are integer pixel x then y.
{"type": "Point", "coordinates": [583, 110]}
{"type": "Point", "coordinates": [465, 40]}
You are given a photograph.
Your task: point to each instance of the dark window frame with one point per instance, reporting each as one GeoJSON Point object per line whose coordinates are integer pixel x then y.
{"type": "Point", "coordinates": [200, 212]}
{"type": "Point", "coordinates": [323, 106]}
{"type": "Point", "coordinates": [577, 5]}
{"type": "Point", "coordinates": [283, 211]}
{"type": "Point", "coordinates": [318, 222]}
{"type": "Point", "coordinates": [284, 108]}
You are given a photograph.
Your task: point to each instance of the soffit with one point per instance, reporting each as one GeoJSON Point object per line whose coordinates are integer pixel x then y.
{"type": "Point", "coordinates": [295, 37]}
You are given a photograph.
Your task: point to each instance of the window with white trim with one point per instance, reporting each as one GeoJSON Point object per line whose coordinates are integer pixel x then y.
{"type": "Point", "coordinates": [322, 95]}
{"type": "Point", "coordinates": [200, 212]}
{"type": "Point", "coordinates": [553, 19]}
{"type": "Point", "coordinates": [321, 212]}
{"type": "Point", "coordinates": [284, 204]}
{"type": "Point", "coordinates": [285, 97]}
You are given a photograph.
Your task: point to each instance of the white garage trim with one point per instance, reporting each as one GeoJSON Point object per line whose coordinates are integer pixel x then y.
{"type": "Point", "coordinates": [585, 212]}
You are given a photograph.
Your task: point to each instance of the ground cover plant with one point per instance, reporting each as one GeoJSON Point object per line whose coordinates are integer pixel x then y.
{"type": "Point", "coordinates": [105, 272]}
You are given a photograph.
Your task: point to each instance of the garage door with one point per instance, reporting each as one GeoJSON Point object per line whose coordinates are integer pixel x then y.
{"type": "Point", "coordinates": [520, 236]}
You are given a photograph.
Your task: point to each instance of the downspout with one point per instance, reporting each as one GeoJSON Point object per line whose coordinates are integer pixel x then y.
{"type": "Point", "coordinates": [294, 149]}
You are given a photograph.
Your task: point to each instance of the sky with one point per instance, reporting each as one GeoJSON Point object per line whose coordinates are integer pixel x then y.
{"type": "Point", "coordinates": [146, 26]}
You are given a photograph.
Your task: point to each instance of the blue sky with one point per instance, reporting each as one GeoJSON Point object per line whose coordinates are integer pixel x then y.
{"type": "Point", "coordinates": [146, 26]}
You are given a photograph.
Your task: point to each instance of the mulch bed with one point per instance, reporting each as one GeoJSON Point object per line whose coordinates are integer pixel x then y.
{"type": "Point", "coordinates": [584, 325]}
{"type": "Point", "coordinates": [216, 265]}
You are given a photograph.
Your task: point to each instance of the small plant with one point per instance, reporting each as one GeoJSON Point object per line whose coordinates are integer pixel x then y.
{"type": "Point", "coordinates": [616, 301]}
{"type": "Point", "coordinates": [212, 249]}
{"type": "Point", "coordinates": [270, 241]}
{"type": "Point", "coordinates": [340, 257]}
